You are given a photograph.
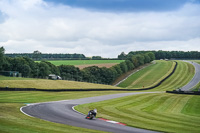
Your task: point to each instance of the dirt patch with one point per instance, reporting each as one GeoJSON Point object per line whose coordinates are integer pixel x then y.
{"type": "Point", "coordinates": [108, 65]}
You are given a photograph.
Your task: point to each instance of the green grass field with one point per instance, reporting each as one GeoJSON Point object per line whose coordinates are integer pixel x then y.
{"type": "Point", "coordinates": [13, 82]}
{"type": "Point", "coordinates": [160, 112]}
{"type": "Point", "coordinates": [13, 121]}
{"type": "Point", "coordinates": [197, 61]}
{"type": "Point", "coordinates": [149, 76]}
{"type": "Point", "coordinates": [183, 74]}
{"type": "Point", "coordinates": [83, 62]}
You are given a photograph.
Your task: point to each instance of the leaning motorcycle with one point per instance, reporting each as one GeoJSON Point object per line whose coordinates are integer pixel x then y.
{"type": "Point", "coordinates": [90, 116]}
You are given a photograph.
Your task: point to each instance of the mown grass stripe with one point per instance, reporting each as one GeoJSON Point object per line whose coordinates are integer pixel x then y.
{"type": "Point", "coordinates": [161, 112]}
{"type": "Point", "coordinates": [181, 77]}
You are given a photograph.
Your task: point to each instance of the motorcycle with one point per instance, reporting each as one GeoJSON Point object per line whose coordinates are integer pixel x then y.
{"type": "Point", "coordinates": [90, 116]}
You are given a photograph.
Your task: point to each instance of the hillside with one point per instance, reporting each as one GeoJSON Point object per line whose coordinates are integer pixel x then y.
{"type": "Point", "coordinates": [49, 84]}
{"type": "Point", "coordinates": [153, 74]}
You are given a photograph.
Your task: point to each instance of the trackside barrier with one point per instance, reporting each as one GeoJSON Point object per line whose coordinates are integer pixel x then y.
{"type": "Point", "coordinates": [184, 92]}
{"type": "Point", "coordinates": [59, 90]}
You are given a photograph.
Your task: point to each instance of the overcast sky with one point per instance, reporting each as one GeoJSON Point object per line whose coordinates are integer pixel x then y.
{"type": "Point", "coordinates": [99, 27]}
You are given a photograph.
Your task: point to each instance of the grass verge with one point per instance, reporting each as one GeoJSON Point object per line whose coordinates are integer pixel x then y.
{"type": "Point", "coordinates": [160, 112]}
{"type": "Point", "coordinates": [149, 76]}
{"type": "Point", "coordinates": [49, 84]}
{"type": "Point", "coordinates": [183, 74]}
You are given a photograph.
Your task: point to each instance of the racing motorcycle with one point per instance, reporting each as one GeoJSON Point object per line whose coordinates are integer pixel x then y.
{"type": "Point", "coordinates": [90, 116]}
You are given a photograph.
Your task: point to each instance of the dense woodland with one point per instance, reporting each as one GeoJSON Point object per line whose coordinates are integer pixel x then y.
{"type": "Point", "coordinates": [165, 54]}
{"type": "Point", "coordinates": [28, 68]}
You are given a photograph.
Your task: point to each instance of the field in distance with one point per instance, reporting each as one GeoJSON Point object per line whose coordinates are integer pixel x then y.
{"type": "Point", "coordinates": [86, 63]}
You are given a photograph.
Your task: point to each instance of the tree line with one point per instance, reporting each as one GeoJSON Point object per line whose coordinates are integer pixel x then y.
{"type": "Point", "coordinates": [37, 55]}
{"type": "Point", "coordinates": [165, 54]}
{"type": "Point", "coordinates": [94, 74]}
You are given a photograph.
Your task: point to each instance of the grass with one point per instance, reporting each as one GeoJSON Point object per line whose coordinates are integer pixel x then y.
{"type": "Point", "coordinates": [83, 62]}
{"type": "Point", "coordinates": [49, 84]}
{"type": "Point", "coordinates": [12, 120]}
{"type": "Point", "coordinates": [154, 73]}
{"type": "Point", "coordinates": [197, 61]}
{"type": "Point", "coordinates": [160, 112]}
{"type": "Point", "coordinates": [149, 76]}
{"type": "Point", "coordinates": [14, 78]}
{"type": "Point", "coordinates": [196, 88]}
{"type": "Point", "coordinates": [183, 74]}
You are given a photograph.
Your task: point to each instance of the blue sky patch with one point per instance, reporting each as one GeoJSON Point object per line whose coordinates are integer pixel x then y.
{"type": "Point", "coordinates": [125, 5]}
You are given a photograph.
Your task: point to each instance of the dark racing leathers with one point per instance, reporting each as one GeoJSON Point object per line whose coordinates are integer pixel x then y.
{"type": "Point", "coordinates": [91, 114]}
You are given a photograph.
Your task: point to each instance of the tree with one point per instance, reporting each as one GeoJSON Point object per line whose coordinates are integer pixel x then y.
{"type": "Point", "coordinates": [114, 73]}
{"type": "Point", "coordinates": [129, 65]}
{"type": "Point", "coordinates": [53, 69]}
{"type": "Point", "coordinates": [118, 70]}
{"type": "Point", "coordinates": [96, 57]}
{"type": "Point", "coordinates": [70, 72]}
{"type": "Point", "coordinates": [94, 74]}
{"type": "Point", "coordinates": [25, 70]}
{"type": "Point", "coordinates": [2, 50]}
{"type": "Point", "coordinates": [37, 55]}
{"type": "Point", "coordinates": [7, 66]}
{"type": "Point", "coordinates": [146, 58]}
{"type": "Point", "coordinates": [44, 70]}
{"type": "Point", "coordinates": [152, 56]}
{"type": "Point", "coordinates": [122, 56]}
{"type": "Point", "coordinates": [123, 67]}
{"type": "Point", "coordinates": [135, 61]}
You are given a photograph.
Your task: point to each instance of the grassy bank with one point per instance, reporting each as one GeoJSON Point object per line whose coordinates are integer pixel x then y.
{"type": "Point", "coordinates": [13, 121]}
{"type": "Point", "coordinates": [160, 112]}
{"type": "Point", "coordinates": [149, 76]}
{"type": "Point", "coordinates": [197, 61]}
{"type": "Point", "coordinates": [49, 84]}
{"type": "Point", "coordinates": [183, 74]}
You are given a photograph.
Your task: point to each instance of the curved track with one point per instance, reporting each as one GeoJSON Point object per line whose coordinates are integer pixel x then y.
{"type": "Point", "coordinates": [62, 112]}
{"type": "Point", "coordinates": [196, 78]}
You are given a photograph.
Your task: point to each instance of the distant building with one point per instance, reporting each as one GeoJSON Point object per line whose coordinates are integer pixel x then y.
{"type": "Point", "coordinates": [54, 77]}
{"type": "Point", "coordinates": [10, 73]}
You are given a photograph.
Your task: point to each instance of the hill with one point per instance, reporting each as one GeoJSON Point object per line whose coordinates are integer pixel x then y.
{"type": "Point", "coordinates": [49, 84]}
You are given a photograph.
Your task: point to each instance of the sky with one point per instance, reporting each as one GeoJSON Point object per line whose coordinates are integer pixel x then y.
{"type": "Point", "coordinates": [99, 27]}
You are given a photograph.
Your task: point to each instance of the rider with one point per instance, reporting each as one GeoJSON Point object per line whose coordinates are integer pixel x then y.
{"type": "Point", "coordinates": [94, 112]}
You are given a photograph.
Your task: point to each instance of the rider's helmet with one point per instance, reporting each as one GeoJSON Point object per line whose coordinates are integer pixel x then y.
{"type": "Point", "coordinates": [95, 110]}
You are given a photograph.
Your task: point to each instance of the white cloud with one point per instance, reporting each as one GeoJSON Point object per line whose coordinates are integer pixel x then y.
{"type": "Point", "coordinates": [36, 25]}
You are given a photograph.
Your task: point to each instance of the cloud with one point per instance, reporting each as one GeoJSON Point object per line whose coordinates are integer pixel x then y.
{"type": "Point", "coordinates": [56, 28]}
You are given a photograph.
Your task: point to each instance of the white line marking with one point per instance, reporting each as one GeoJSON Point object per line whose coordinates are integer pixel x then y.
{"type": "Point", "coordinates": [113, 122]}
{"type": "Point", "coordinates": [24, 112]}
{"type": "Point", "coordinates": [76, 110]}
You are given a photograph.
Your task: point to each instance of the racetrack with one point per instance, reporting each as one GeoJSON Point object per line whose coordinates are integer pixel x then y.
{"type": "Point", "coordinates": [196, 78]}
{"type": "Point", "coordinates": [62, 112]}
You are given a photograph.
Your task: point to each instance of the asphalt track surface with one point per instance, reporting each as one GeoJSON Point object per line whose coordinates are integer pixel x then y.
{"type": "Point", "coordinates": [195, 80]}
{"type": "Point", "coordinates": [63, 112]}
